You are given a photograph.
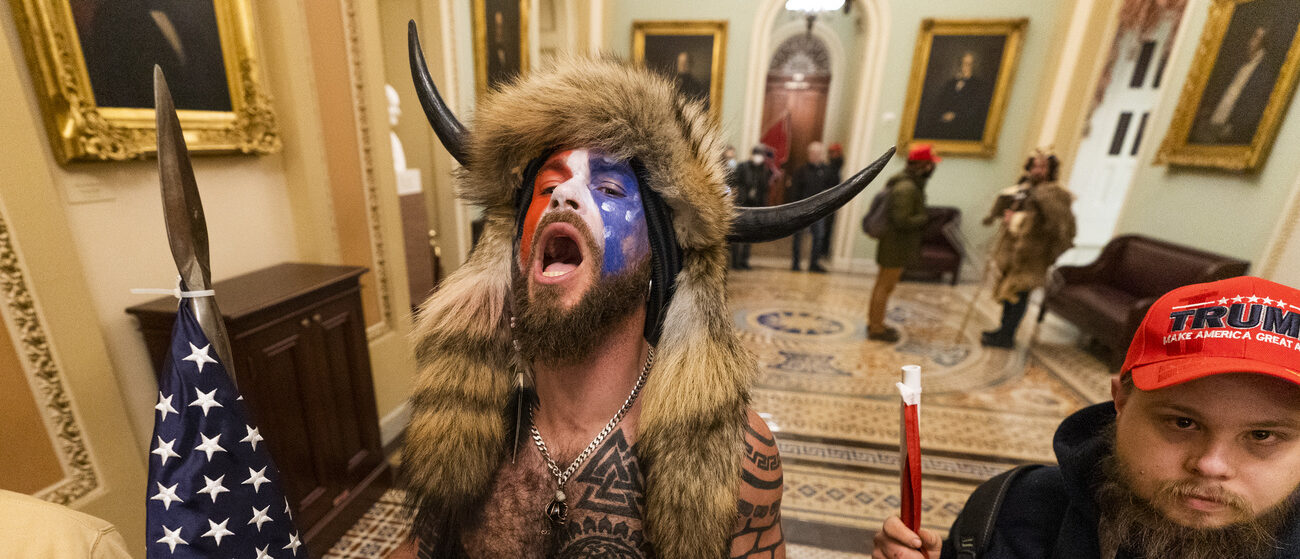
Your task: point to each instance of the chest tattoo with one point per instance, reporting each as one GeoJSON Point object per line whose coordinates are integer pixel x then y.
{"type": "Point", "coordinates": [606, 520]}
{"type": "Point", "coordinates": [606, 498]}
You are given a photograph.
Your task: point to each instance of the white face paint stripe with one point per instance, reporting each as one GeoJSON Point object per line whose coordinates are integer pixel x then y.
{"type": "Point", "coordinates": [576, 189]}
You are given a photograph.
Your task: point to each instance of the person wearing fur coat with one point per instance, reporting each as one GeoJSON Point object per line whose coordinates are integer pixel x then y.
{"type": "Point", "coordinates": [582, 391]}
{"type": "Point", "coordinates": [1037, 226]}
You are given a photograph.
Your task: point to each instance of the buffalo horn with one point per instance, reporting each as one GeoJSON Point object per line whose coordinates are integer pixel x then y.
{"type": "Point", "coordinates": [450, 131]}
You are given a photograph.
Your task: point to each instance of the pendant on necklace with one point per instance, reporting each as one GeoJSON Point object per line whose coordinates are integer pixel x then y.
{"type": "Point", "coordinates": [557, 511]}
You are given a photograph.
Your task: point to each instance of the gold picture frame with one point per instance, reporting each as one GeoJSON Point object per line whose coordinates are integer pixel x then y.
{"type": "Point", "coordinates": [664, 46]}
{"type": "Point", "coordinates": [80, 129]}
{"type": "Point", "coordinates": [491, 70]}
{"type": "Point", "coordinates": [956, 101]}
{"type": "Point", "coordinates": [1236, 132]}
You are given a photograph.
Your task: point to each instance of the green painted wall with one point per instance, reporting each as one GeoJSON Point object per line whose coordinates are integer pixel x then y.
{"type": "Point", "coordinates": [971, 183]}
{"type": "Point", "coordinates": [739, 15]}
{"type": "Point", "coordinates": [1234, 214]}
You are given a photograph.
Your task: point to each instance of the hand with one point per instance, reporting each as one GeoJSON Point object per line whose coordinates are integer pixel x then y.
{"type": "Point", "coordinates": [404, 551]}
{"type": "Point", "coordinates": [1006, 216]}
{"type": "Point", "coordinates": [896, 541]}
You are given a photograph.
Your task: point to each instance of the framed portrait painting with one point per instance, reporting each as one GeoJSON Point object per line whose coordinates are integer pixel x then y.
{"type": "Point", "coordinates": [92, 63]}
{"type": "Point", "coordinates": [500, 41]}
{"type": "Point", "coordinates": [691, 53]}
{"type": "Point", "coordinates": [961, 78]}
{"type": "Point", "coordinates": [1239, 86]}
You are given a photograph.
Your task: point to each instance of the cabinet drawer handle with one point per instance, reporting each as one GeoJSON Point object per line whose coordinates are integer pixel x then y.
{"type": "Point", "coordinates": [316, 317]}
{"type": "Point", "coordinates": [305, 323]}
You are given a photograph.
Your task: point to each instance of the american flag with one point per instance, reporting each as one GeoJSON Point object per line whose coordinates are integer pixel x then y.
{"type": "Point", "coordinates": [213, 491]}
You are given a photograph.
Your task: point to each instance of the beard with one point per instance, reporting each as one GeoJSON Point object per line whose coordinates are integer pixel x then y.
{"type": "Point", "coordinates": [548, 332]}
{"type": "Point", "coordinates": [1131, 522]}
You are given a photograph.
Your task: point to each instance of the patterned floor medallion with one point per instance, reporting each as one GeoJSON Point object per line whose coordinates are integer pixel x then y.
{"type": "Point", "coordinates": [828, 395]}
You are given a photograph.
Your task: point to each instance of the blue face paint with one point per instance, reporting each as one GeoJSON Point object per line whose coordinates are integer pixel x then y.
{"type": "Point", "coordinates": [615, 191]}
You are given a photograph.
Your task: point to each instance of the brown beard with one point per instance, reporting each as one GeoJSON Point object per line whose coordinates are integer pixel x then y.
{"type": "Point", "coordinates": [1131, 522]}
{"type": "Point", "coordinates": [551, 334]}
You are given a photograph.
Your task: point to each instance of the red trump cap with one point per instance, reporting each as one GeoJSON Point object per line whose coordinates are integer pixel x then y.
{"type": "Point", "coordinates": [923, 152]}
{"type": "Point", "coordinates": [1238, 325]}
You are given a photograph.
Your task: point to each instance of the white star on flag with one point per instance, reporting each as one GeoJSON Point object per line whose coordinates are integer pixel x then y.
{"type": "Point", "coordinates": [260, 517]}
{"type": "Point", "coordinates": [293, 543]}
{"type": "Point", "coordinates": [164, 406]}
{"type": "Point", "coordinates": [206, 400]}
{"type": "Point", "coordinates": [1237, 299]}
{"type": "Point", "coordinates": [1223, 301]}
{"type": "Point", "coordinates": [200, 356]}
{"type": "Point", "coordinates": [253, 436]}
{"type": "Point", "coordinates": [1268, 301]}
{"type": "Point", "coordinates": [210, 446]}
{"type": "Point", "coordinates": [164, 450]}
{"type": "Point", "coordinates": [167, 495]}
{"type": "Point", "coordinates": [286, 508]}
{"type": "Point", "coordinates": [217, 531]}
{"type": "Point", "coordinates": [1253, 299]}
{"type": "Point", "coordinates": [213, 487]}
{"type": "Point", "coordinates": [199, 456]}
{"type": "Point", "coordinates": [1281, 303]}
{"type": "Point", "coordinates": [256, 479]}
{"type": "Point", "coordinates": [172, 539]}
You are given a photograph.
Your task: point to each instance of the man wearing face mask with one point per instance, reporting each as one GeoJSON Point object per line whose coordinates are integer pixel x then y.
{"type": "Point", "coordinates": [901, 241]}
{"type": "Point", "coordinates": [582, 391]}
{"type": "Point", "coordinates": [752, 178]}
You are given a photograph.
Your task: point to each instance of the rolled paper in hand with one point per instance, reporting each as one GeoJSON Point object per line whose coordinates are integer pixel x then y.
{"type": "Point", "coordinates": [910, 447]}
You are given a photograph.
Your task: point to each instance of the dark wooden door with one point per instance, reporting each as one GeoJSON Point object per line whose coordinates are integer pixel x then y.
{"type": "Point", "coordinates": [279, 376]}
{"type": "Point", "coordinates": [804, 99]}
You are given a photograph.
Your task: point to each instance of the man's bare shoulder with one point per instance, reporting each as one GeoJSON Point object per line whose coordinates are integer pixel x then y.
{"type": "Point", "coordinates": [758, 526]}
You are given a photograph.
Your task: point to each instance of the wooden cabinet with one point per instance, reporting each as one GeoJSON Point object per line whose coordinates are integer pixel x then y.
{"type": "Point", "coordinates": [303, 366]}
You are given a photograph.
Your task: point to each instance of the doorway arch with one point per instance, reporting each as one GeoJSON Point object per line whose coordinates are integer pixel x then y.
{"type": "Point", "coordinates": [861, 112]}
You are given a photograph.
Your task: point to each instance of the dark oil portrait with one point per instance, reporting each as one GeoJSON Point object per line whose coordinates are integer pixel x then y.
{"type": "Point", "coordinates": [122, 40]}
{"type": "Point", "coordinates": [960, 78]}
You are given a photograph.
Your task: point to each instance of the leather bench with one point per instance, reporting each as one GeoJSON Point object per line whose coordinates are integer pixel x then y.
{"type": "Point", "coordinates": [941, 246]}
{"type": "Point", "coordinates": [1108, 298]}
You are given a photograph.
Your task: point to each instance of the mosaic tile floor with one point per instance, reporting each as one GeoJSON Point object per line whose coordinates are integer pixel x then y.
{"type": "Point", "coordinates": [829, 397]}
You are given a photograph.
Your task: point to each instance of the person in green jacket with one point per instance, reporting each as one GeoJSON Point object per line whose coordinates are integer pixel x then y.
{"type": "Point", "coordinates": [901, 242]}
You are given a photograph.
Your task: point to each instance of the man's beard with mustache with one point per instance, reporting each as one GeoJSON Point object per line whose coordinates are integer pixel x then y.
{"type": "Point", "coordinates": [1130, 522]}
{"type": "Point", "coordinates": [551, 334]}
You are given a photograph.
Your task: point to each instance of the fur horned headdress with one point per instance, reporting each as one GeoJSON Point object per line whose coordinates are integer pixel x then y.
{"type": "Point", "coordinates": [693, 405]}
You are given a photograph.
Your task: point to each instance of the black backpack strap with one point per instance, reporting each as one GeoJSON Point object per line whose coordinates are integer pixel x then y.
{"type": "Point", "coordinates": [973, 532]}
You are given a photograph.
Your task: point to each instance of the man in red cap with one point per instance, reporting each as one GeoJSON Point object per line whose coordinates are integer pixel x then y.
{"type": "Point", "coordinates": [1198, 456]}
{"type": "Point", "coordinates": [900, 244]}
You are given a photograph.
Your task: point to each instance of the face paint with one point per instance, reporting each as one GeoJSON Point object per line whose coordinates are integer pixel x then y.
{"type": "Point", "coordinates": [604, 193]}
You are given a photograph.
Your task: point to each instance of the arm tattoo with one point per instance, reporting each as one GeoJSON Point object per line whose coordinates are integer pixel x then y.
{"type": "Point", "coordinates": [758, 527]}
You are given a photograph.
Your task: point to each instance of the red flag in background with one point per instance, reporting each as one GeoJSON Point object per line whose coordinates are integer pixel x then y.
{"type": "Point", "coordinates": [777, 136]}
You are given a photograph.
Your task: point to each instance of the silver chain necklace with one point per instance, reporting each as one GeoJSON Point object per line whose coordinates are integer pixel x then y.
{"type": "Point", "coordinates": [557, 510]}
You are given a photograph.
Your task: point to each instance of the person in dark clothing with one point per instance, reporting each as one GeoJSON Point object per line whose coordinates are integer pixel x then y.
{"type": "Point", "coordinates": [834, 157]}
{"type": "Point", "coordinates": [752, 178]}
{"type": "Point", "coordinates": [1198, 456]}
{"type": "Point", "coordinates": [901, 242]}
{"type": "Point", "coordinates": [813, 177]}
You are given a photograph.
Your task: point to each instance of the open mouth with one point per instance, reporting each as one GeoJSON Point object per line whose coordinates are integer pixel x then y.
{"type": "Point", "coordinates": [560, 252]}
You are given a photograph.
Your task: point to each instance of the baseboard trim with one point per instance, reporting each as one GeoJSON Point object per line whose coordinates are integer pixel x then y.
{"type": "Point", "coordinates": [393, 424]}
